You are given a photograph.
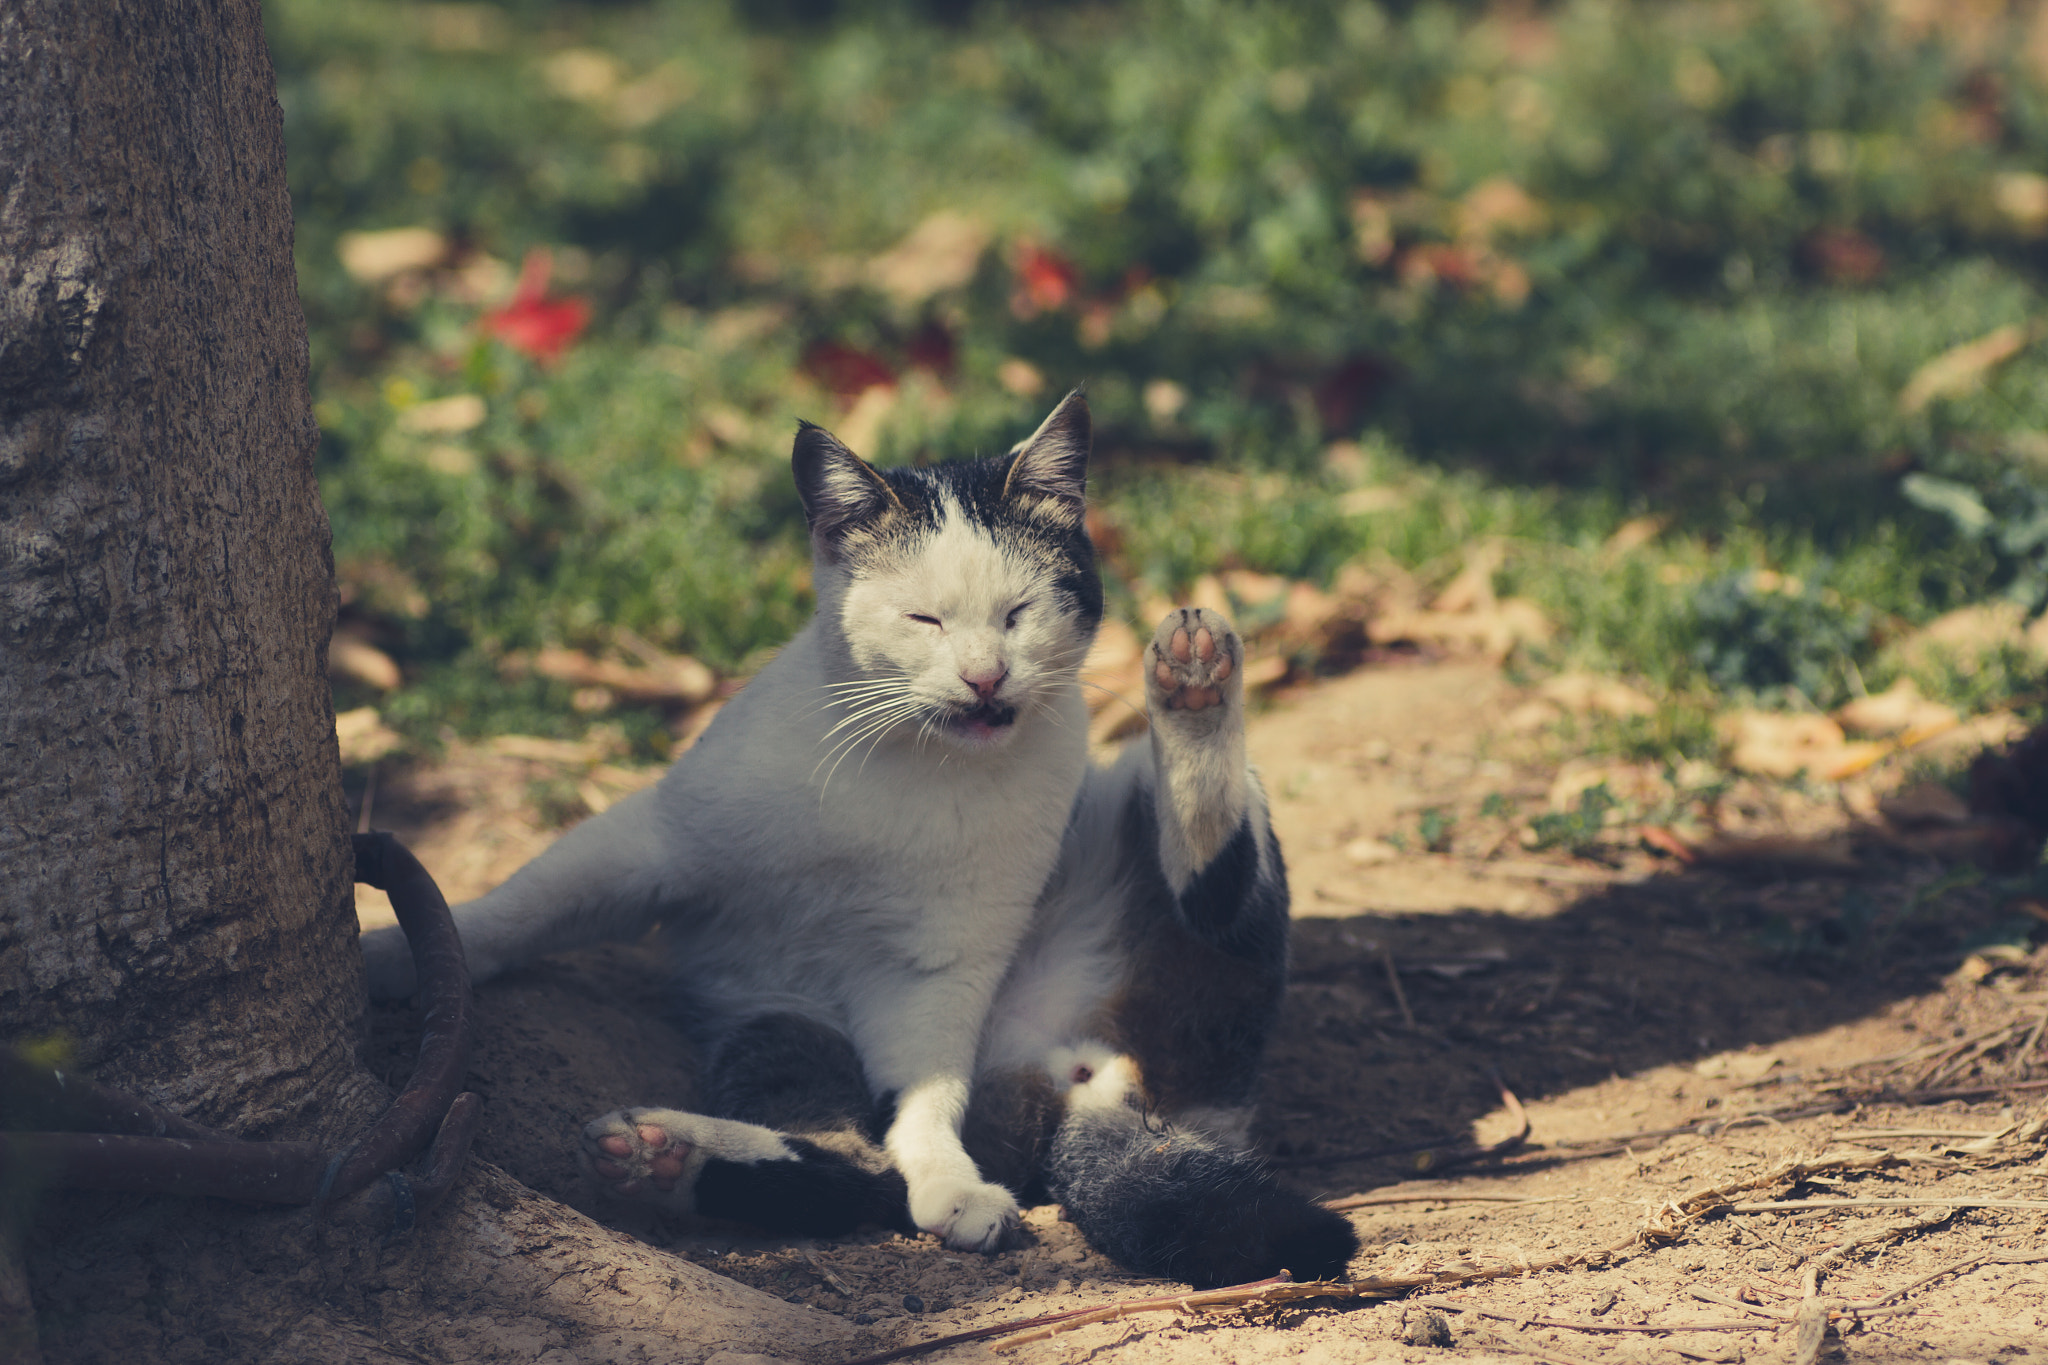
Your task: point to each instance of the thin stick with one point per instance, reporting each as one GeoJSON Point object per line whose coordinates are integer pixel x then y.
{"type": "Point", "coordinates": [2026, 1052]}
{"type": "Point", "coordinates": [1366, 1201]}
{"type": "Point", "coordinates": [1861, 1134]}
{"type": "Point", "coordinates": [1561, 1325]}
{"type": "Point", "coordinates": [1522, 1348]}
{"type": "Point", "coordinates": [1729, 1301]}
{"type": "Point", "coordinates": [1959, 1268]}
{"type": "Point", "coordinates": [826, 1274]}
{"type": "Point", "coordinates": [1786, 1205]}
{"type": "Point", "coordinates": [1394, 981]}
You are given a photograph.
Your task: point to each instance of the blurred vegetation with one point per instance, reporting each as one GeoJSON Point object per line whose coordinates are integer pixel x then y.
{"type": "Point", "coordinates": [1539, 269]}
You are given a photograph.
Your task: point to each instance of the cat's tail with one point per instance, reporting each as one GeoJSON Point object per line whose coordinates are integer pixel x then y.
{"type": "Point", "coordinates": [1184, 1206]}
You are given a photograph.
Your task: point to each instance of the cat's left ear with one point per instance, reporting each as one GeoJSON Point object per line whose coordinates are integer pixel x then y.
{"type": "Point", "coordinates": [1053, 461]}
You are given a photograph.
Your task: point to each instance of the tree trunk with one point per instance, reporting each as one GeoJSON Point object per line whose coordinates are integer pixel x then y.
{"type": "Point", "coordinates": [175, 908]}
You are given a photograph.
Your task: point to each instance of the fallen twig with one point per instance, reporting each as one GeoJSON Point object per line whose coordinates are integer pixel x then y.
{"type": "Point", "coordinates": [1962, 1267]}
{"type": "Point", "coordinates": [1586, 1149]}
{"type": "Point", "coordinates": [1514, 1345]}
{"type": "Point", "coordinates": [1787, 1205]}
{"type": "Point", "coordinates": [826, 1273]}
{"type": "Point", "coordinates": [1729, 1301]}
{"type": "Point", "coordinates": [1569, 1326]}
{"type": "Point", "coordinates": [1364, 1201]}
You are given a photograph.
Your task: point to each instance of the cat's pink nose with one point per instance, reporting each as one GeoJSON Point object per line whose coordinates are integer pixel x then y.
{"type": "Point", "coordinates": [985, 683]}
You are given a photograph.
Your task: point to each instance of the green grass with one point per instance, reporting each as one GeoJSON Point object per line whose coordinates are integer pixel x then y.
{"type": "Point", "coordinates": [1550, 269]}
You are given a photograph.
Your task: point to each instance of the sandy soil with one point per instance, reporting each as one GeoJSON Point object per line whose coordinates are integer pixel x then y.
{"type": "Point", "coordinates": [1615, 998]}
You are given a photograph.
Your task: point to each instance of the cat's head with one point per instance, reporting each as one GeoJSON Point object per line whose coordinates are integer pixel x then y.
{"type": "Point", "coordinates": [966, 592]}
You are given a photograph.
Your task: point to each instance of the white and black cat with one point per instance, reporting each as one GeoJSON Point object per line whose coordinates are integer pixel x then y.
{"type": "Point", "coordinates": [894, 827]}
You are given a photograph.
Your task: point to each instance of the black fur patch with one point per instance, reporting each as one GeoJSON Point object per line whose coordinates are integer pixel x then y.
{"type": "Point", "coordinates": [1185, 1207]}
{"type": "Point", "coordinates": [1201, 990]}
{"type": "Point", "coordinates": [1231, 905]}
{"type": "Point", "coordinates": [820, 1194]}
{"type": "Point", "coordinates": [790, 1073]}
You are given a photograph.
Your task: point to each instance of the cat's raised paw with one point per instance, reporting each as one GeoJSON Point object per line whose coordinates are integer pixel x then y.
{"type": "Point", "coordinates": [1192, 660]}
{"type": "Point", "coordinates": [967, 1216]}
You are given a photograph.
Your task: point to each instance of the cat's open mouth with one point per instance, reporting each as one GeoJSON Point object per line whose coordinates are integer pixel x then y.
{"type": "Point", "coordinates": [983, 721]}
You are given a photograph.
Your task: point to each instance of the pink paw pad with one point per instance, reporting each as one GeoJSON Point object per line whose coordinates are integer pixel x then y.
{"type": "Point", "coordinates": [663, 1158]}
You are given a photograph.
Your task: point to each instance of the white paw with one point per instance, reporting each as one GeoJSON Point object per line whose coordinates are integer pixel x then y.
{"type": "Point", "coordinates": [966, 1215]}
{"type": "Point", "coordinates": [387, 962]}
{"type": "Point", "coordinates": [1194, 663]}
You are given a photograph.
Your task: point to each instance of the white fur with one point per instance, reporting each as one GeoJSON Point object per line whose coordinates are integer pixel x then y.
{"type": "Point", "coordinates": [829, 846]}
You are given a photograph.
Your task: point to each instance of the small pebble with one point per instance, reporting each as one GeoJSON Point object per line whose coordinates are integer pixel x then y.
{"type": "Point", "coordinates": [913, 1304]}
{"type": "Point", "coordinates": [1427, 1328]}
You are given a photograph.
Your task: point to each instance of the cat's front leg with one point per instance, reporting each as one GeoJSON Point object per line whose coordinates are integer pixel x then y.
{"type": "Point", "coordinates": [921, 1046]}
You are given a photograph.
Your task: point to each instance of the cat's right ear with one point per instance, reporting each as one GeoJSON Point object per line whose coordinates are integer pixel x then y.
{"type": "Point", "coordinates": [840, 490]}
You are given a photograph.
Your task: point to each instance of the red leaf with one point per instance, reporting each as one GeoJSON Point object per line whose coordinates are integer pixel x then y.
{"type": "Point", "coordinates": [1343, 395]}
{"type": "Point", "coordinates": [1045, 281]}
{"type": "Point", "coordinates": [931, 349]}
{"type": "Point", "coordinates": [532, 323]}
{"type": "Point", "coordinates": [845, 370]}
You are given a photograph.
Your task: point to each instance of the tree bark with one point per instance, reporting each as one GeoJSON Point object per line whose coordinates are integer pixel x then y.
{"type": "Point", "coordinates": [177, 906]}
{"type": "Point", "coordinates": [174, 862]}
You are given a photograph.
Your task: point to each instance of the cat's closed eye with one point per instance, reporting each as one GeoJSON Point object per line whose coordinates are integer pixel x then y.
{"type": "Point", "coordinates": [923, 619]}
{"type": "Point", "coordinates": [1010, 621]}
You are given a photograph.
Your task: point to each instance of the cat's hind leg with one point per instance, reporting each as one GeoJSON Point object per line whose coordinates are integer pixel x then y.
{"type": "Point", "coordinates": [787, 1148]}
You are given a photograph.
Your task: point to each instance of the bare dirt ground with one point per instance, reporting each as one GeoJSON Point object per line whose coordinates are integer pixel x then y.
{"type": "Point", "coordinates": [1677, 1036]}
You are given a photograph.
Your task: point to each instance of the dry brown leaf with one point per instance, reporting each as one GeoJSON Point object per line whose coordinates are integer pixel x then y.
{"type": "Point", "coordinates": [372, 257]}
{"type": "Point", "coordinates": [1962, 637]}
{"type": "Point", "coordinates": [941, 253]}
{"type": "Point", "coordinates": [1580, 693]}
{"type": "Point", "coordinates": [659, 679]}
{"type": "Point", "coordinates": [1309, 611]}
{"type": "Point", "coordinates": [364, 737]}
{"type": "Point", "coordinates": [1264, 671]}
{"type": "Point", "coordinates": [1114, 667]}
{"type": "Point", "coordinates": [1641, 783]}
{"type": "Point", "coordinates": [565, 753]}
{"type": "Point", "coordinates": [1633, 534]}
{"type": "Point", "coordinates": [1472, 589]}
{"type": "Point", "coordinates": [1252, 589]}
{"type": "Point", "coordinates": [351, 656]}
{"type": "Point", "coordinates": [1899, 709]}
{"type": "Point", "coordinates": [1496, 633]}
{"type": "Point", "coordinates": [445, 416]}
{"type": "Point", "coordinates": [1208, 593]}
{"type": "Point", "coordinates": [1774, 745]}
{"type": "Point", "coordinates": [1962, 368]}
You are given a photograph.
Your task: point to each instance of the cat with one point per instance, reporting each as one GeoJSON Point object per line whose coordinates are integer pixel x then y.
{"type": "Point", "coordinates": [895, 826]}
